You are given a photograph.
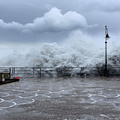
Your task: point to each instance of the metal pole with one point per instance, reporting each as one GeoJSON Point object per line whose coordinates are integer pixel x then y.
{"type": "Point", "coordinates": [106, 37]}
{"type": "Point", "coordinates": [105, 56]}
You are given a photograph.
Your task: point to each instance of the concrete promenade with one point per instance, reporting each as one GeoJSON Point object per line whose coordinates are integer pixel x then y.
{"type": "Point", "coordinates": [61, 99]}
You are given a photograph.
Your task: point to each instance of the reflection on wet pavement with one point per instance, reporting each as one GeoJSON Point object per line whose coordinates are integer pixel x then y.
{"type": "Point", "coordinates": [61, 98]}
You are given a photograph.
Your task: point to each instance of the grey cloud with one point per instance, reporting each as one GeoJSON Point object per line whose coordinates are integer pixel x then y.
{"type": "Point", "coordinates": [87, 5]}
{"type": "Point", "coordinates": [108, 5]}
{"type": "Point", "coordinates": [12, 25]}
{"type": "Point", "coordinates": [22, 11]}
{"type": "Point", "coordinates": [35, 20]}
{"type": "Point", "coordinates": [52, 21]}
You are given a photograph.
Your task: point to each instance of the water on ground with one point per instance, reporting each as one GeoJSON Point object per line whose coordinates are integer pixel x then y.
{"type": "Point", "coordinates": [61, 99]}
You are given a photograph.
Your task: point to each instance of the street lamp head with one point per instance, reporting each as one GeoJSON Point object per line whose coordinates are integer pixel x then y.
{"type": "Point", "coordinates": [106, 33]}
{"type": "Point", "coordinates": [107, 36]}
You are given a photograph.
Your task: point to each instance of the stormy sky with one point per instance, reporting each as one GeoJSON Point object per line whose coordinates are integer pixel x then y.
{"type": "Point", "coordinates": [54, 20]}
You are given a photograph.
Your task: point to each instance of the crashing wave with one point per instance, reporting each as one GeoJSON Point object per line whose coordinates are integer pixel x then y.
{"type": "Point", "coordinates": [77, 51]}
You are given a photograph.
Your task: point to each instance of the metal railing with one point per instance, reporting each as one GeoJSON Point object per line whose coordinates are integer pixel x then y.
{"type": "Point", "coordinates": [42, 71]}
{"type": "Point", "coordinates": [62, 71]}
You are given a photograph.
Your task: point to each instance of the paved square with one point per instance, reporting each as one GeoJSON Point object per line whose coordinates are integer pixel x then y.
{"type": "Point", "coordinates": [61, 99]}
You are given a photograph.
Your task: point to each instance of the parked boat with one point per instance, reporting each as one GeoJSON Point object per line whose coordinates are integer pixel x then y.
{"type": "Point", "coordinates": [6, 78]}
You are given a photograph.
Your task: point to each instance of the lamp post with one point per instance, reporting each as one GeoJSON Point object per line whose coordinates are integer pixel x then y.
{"type": "Point", "coordinates": [106, 38]}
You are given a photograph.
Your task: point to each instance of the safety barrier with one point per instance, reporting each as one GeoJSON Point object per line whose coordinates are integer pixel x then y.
{"type": "Point", "coordinates": [61, 71]}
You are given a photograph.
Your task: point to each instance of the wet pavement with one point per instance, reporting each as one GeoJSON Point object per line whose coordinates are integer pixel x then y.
{"type": "Point", "coordinates": [61, 99]}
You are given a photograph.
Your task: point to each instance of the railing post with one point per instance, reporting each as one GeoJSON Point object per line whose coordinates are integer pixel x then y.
{"type": "Point", "coordinates": [81, 72]}
{"type": "Point", "coordinates": [40, 71]}
{"type": "Point", "coordinates": [33, 71]}
{"type": "Point", "coordinates": [14, 70]}
{"type": "Point", "coordinates": [10, 72]}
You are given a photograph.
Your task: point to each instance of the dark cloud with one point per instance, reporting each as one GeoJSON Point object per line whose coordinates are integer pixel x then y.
{"type": "Point", "coordinates": [52, 21]}
{"type": "Point", "coordinates": [12, 25]}
{"type": "Point", "coordinates": [55, 21]}
{"type": "Point", "coordinates": [46, 19]}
